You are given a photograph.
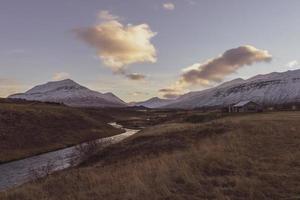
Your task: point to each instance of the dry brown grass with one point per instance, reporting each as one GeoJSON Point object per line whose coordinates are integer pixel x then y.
{"type": "Point", "coordinates": [27, 129]}
{"type": "Point", "coordinates": [243, 157]}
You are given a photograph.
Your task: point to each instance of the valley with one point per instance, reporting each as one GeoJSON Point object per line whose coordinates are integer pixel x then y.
{"type": "Point", "coordinates": [61, 140]}
{"type": "Point", "coordinates": [149, 100]}
{"type": "Point", "coordinates": [30, 128]}
{"type": "Point", "coordinates": [239, 156]}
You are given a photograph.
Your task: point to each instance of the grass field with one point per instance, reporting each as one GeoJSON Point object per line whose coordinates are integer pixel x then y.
{"type": "Point", "coordinates": [255, 156]}
{"type": "Point", "coordinates": [28, 129]}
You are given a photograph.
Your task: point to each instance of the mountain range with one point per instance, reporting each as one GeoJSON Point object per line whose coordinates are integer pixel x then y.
{"type": "Point", "coordinates": [269, 89]}
{"type": "Point", "coordinates": [274, 88]}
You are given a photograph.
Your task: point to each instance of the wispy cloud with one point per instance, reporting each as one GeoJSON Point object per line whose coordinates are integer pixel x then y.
{"type": "Point", "coordinates": [138, 93]}
{"type": "Point", "coordinates": [136, 76]}
{"type": "Point", "coordinates": [173, 91]}
{"type": "Point", "coordinates": [105, 15]}
{"type": "Point", "coordinates": [119, 45]}
{"type": "Point", "coordinates": [60, 76]}
{"type": "Point", "coordinates": [171, 95]}
{"type": "Point", "coordinates": [168, 6]}
{"type": "Point", "coordinates": [293, 64]}
{"type": "Point", "coordinates": [216, 69]}
{"type": "Point", "coordinates": [168, 90]}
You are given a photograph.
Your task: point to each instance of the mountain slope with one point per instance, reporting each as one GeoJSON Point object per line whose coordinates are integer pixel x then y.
{"type": "Point", "coordinates": [154, 102]}
{"type": "Point", "coordinates": [273, 88]}
{"type": "Point", "coordinates": [70, 93]}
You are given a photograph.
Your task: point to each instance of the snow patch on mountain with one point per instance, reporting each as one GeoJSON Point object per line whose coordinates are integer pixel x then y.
{"type": "Point", "coordinates": [154, 102]}
{"type": "Point", "coordinates": [273, 88]}
{"type": "Point", "coordinates": [70, 93]}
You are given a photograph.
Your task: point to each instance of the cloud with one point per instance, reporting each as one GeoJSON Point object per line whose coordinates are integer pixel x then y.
{"type": "Point", "coordinates": [9, 86]}
{"type": "Point", "coordinates": [216, 69]}
{"type": "Point", "coordinates": [60, 76]}
{"type": "Point", "coordinates": [170, 96]}
{"type": "Point", "coordinates": [293, 63]}
{"type": "Point", "coordinates": [136, 76]}
{"type": "Point", "coordinates": [167, 90]}
{"type": "Point", "coordinates": [169, 6]}
{"type": "Point", "coordinates": [138, 93]}
{"type": "Point", "coordinates": [119, 45]}
{"type": "Point", "coordinates": [170, 93]}
{"type": "Point", "coordinates": [105, 15]}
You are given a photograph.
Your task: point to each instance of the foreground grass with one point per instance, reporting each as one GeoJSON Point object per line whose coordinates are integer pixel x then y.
{"type": "Point", "coordinates": [242, 157]}
{"type": "Point", "coordinates": [29, 129]}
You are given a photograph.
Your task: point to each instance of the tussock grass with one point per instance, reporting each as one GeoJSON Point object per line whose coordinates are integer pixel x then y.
{"type": "Point", "coordinates": [28, 129]}
{"type": "Point", "coordinates": [242, 157]}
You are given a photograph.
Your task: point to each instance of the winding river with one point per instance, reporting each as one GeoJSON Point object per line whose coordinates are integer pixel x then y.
{"type": "Point", "coordinates": [18, 172]}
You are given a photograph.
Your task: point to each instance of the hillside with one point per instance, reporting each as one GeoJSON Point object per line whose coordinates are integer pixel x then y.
{"type": "Point", "coordinates": [29, 128]}
{"type": "Point", "coordinates": [254, 156]}
{"type": "Point", "coordinates": [268, 89]}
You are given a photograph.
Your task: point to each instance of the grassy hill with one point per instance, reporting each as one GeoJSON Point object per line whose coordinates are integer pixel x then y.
{"type": "Point", "coordinates": [254, 156]}
{"type": "Point", "coordinates": [28, 128]}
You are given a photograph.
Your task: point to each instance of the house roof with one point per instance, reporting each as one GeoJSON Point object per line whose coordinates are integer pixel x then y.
{"type": "Point", "coordinates": [241, 103]}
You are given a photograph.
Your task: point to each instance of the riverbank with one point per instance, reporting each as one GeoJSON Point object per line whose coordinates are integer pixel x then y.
{"type": "Point", "coordinates": [253, 156]}
{"type": "Point", "coordinates": [32, 129]}
{"type": "Point", "coordinates": [19, 172]}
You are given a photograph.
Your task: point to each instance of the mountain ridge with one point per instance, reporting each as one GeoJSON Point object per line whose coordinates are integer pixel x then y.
{"type": "Point", "coordinates": [271, 88]}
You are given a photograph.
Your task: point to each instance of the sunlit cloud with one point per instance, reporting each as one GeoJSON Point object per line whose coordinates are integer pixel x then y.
{"type": "Point", "coordinates": [105, 15]}
{"type": "Point", "coordinates": [169, 6]}
{"type": "Point", "coordinates": [293, 64]}
{"type": "Point", "coordinates": [60, 76]}
{"type": "Point", "coordinates": [119, 45]}
{"type": "Point", "coordinates": [214, 70]}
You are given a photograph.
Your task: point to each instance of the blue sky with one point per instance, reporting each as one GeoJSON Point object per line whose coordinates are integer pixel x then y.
{"type": "Point", "coordinates": [37, 40]}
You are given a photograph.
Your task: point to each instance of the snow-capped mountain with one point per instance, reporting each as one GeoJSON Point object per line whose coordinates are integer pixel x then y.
{"type": "Point", "coordinates": [273, 88]}
{"type": "Point", "coordinates": [154, 102]}
{"type": "Point", "coordinates": [70, 93]}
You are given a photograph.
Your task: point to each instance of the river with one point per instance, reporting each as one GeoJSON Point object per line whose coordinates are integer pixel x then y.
{"type": "Point", "coordinates": [18, 172]}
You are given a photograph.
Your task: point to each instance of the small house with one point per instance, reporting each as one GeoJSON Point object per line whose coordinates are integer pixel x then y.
{"type": "Point", "coordinates": [246, 106]}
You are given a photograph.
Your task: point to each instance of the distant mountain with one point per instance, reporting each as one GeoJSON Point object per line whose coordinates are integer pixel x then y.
{"type": "Point", "coordinates": [274, 88]}
{"type": "Point", "coordinates": [70, 93]}
{"type": "Point", "coordinates": [154, 102]}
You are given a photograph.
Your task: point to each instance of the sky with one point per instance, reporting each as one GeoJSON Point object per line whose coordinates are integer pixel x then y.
{"type": "Point", "coordinates": [139, 49]}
